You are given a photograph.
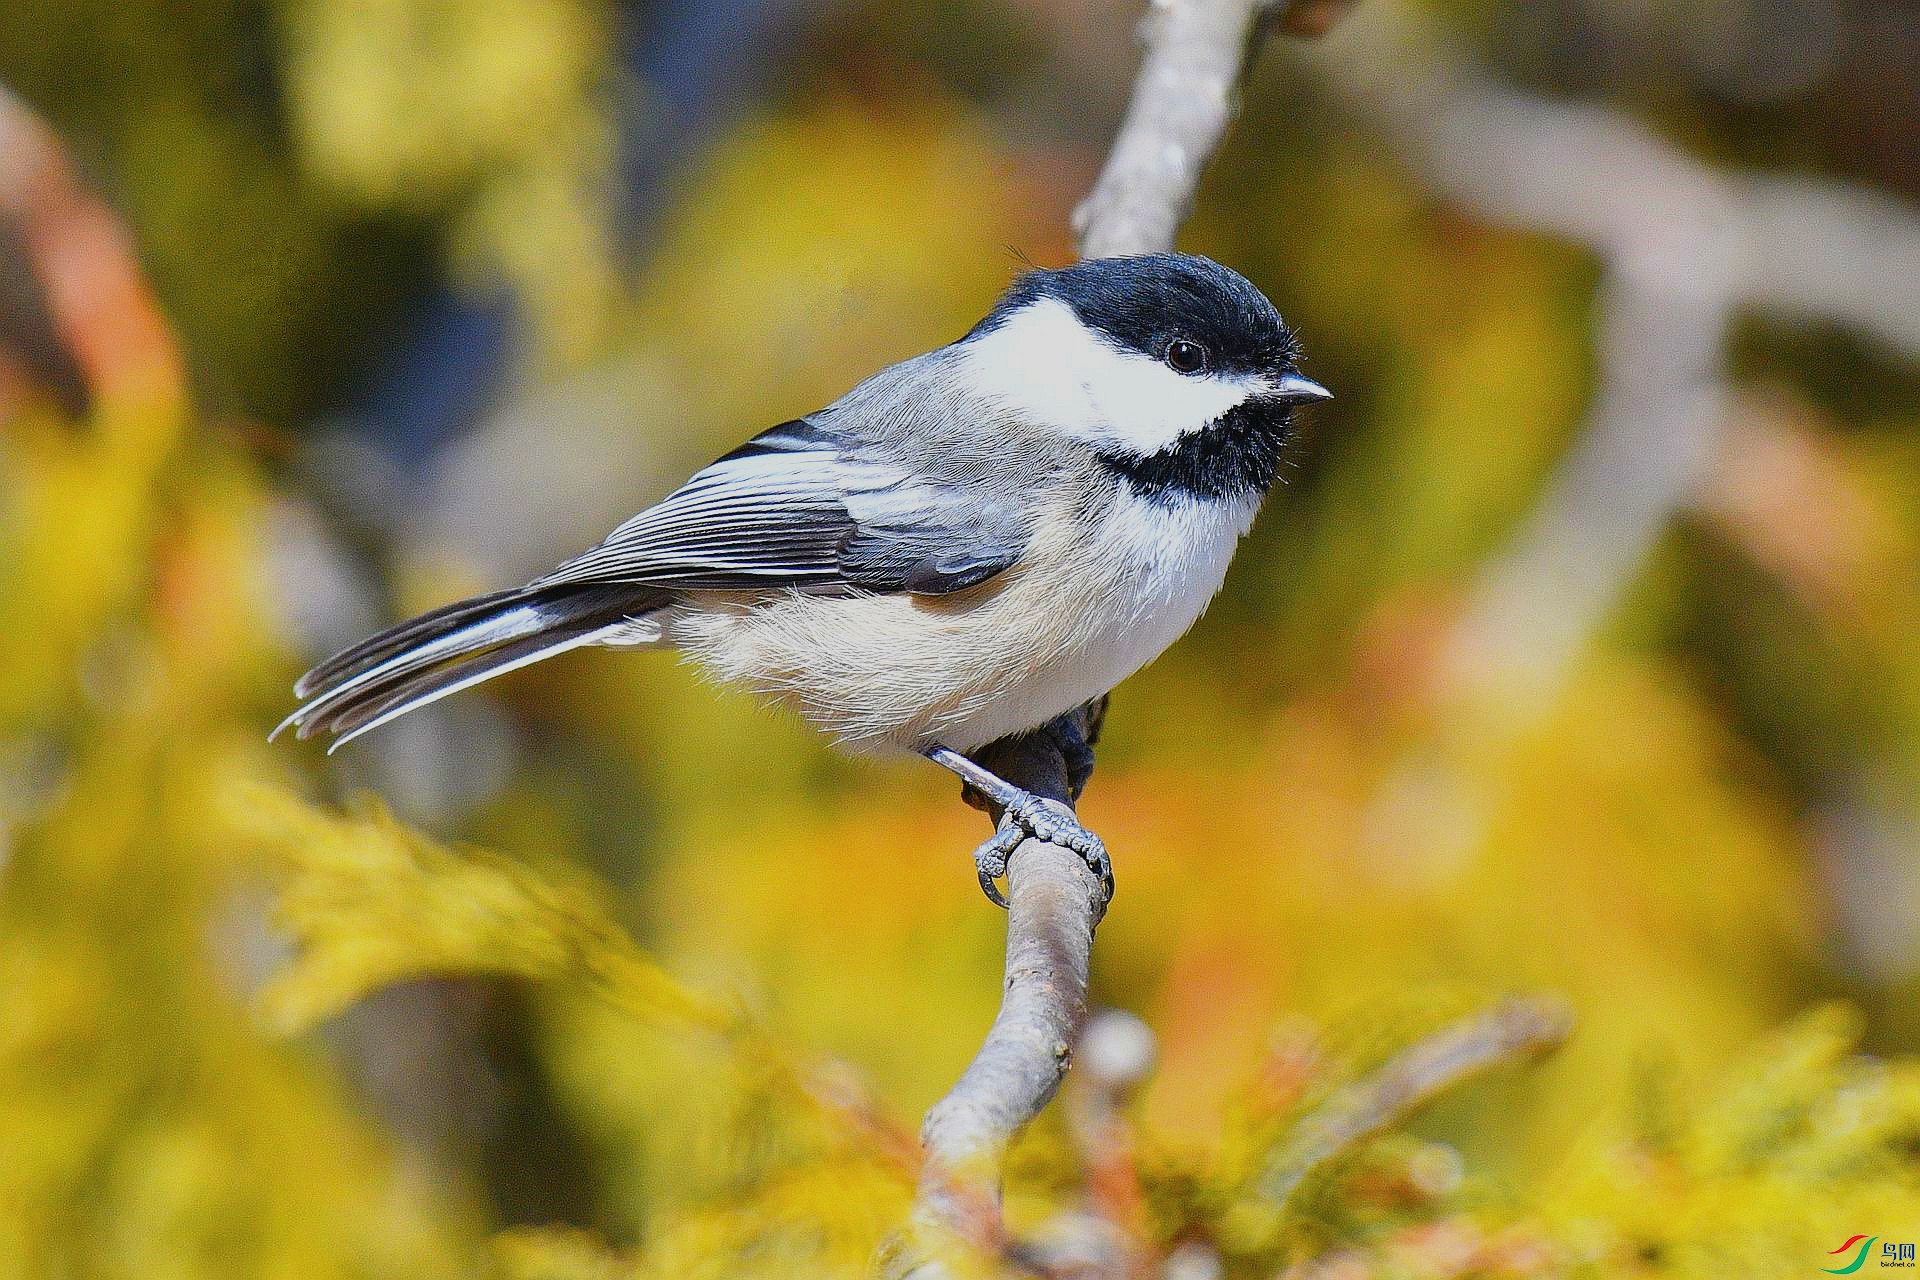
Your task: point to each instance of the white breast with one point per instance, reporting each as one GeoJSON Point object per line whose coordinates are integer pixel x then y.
{"type": "Point", "coordinates": [1149, 574]}
{"type": "Point", "coordinates": [1084, 610]}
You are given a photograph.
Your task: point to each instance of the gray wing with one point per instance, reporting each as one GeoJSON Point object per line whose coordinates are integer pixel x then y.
{"type": "Point", "coordinates": [807, 506]}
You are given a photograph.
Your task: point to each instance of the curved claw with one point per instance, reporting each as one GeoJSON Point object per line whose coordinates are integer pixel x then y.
{"type": "Point", "coordinates": [1046, 821]}
{"type": "Point", "coordinates": [990, 859]}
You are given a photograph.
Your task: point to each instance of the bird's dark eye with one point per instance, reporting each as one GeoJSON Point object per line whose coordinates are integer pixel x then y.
{"type": "Point", "coordinates": [1186, 357]}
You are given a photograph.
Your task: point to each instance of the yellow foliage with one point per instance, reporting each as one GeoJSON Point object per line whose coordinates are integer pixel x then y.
{"type": "Point", "coordinates": [1760, 1173]}
{"type": "Point", "coordinates": [371, 903]}
{"type": "Point", "coordinates": [150, 1130]}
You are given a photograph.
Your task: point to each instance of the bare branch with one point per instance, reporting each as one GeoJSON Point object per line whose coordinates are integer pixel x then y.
{"type": "Point", "coordinates": [1196, 53]}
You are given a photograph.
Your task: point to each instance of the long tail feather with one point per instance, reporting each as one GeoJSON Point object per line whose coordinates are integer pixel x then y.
{"type": "Point", "coordinates": [455, 648]}
{"type": "Point", "coordinates": [376, 649]}
{"type": "Point", "coordinates": [431, 686]}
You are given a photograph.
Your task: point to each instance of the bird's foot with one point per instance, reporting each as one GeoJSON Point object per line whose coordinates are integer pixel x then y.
{"type": "Point", "coordinates": [1024, 815]}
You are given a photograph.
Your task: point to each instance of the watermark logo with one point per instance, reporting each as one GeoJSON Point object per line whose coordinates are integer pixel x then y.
{"type": "Point", "coordinates": [1864, 1243]}
{"type": "Point", "coordinates": [1892, 1254]}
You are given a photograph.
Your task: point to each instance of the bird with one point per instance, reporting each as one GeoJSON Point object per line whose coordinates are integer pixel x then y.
{"type": "Point", "coordinates": [970, 544]}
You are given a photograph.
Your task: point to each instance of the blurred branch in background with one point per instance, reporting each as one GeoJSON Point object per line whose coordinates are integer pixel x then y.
{"type": "Point", "coordinates": [1518, 1027]}
{"type": "Point", "coordinates": [1787, 494]}
{"type": "Point", "coordinates": [1685, 249]}
{"type": "Point", "coordinates": [75, 310]}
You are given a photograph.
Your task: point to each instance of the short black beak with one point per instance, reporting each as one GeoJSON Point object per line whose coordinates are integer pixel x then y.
{"type": "Point", "coordinates": [1295, 389]}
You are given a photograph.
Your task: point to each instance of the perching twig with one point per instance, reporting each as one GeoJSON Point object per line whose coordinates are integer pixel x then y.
{"type": "Point", "coordinates": [1055, 902]}
{"type": "Point", "coordinates": [1196, 53]}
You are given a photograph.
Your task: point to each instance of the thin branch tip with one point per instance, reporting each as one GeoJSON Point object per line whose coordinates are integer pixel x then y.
{"type": "Point", "coordinates": [1517, 1029]}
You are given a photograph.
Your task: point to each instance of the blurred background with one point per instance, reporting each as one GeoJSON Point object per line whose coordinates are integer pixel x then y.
{"type": "Point", "coordinates": [1579, 653]}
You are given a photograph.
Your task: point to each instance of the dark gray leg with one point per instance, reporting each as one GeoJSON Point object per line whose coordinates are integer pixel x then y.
{"type": "Point", "coordinates": [1074, 734]}
{"type": "Point", "coordinates": [1023, 814]}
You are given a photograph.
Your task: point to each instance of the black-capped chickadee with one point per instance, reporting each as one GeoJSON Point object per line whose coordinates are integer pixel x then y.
{"type": "Point", "coordinates": [967, 545]}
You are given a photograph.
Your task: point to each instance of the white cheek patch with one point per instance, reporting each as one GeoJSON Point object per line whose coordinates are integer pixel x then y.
{"type": "Point", "coordinates": [1044, 364]}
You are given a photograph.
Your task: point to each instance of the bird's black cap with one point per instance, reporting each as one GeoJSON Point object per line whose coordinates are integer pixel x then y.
{"type": "Point", "coordinates": [1143, 303]}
